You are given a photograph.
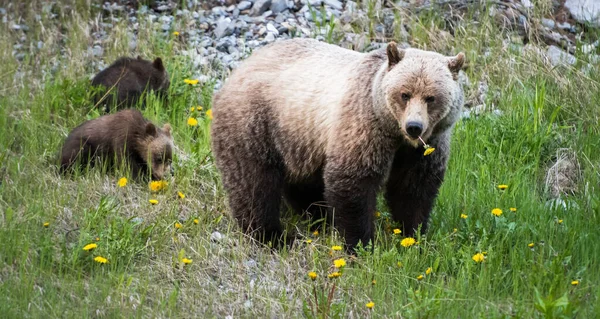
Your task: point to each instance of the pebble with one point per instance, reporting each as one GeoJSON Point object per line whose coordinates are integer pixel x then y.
{"type": "Point", "coordinates": [216, 236]}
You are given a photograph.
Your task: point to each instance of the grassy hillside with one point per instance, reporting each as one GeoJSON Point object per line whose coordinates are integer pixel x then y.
{"type": "Point", "coordinates": [541, 260]}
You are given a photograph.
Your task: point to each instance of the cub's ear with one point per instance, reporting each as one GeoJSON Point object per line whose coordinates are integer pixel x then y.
{"type": "Point", "coordinates": [158, 64]}
{"type": "Point", "coordinates": [455, 64]}
{"type": "Point", "coordinates": [167, 129]}
{"type": "Point", "coordinates": [139, 57]}
{"type": "Point", "coordinates": [394, 54]}
{"type": "Point", "coordinates": [151, 129]}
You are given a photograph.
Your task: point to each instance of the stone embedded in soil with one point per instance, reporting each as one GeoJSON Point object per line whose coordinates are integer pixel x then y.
{"type": "Point", "coordinates": [585, 11]}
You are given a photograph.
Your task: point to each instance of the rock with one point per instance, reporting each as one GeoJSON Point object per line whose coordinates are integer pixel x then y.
{"type": "Point", "coordinates": [223, 28]}
{"type": "Point", "coordinates": [549, 23]}
{"type": "Point", "coordinates": [216, 236]}
{"type": "Point", "coordinates": [585, 11]}
{"type": "Point", "coordinates": [244, 5]}
{"type": "Point", "coordinates": [259, 7]}
{"type": "Point", "coordinates": [557, 56]}
{"type": "Point", "coordinates": [271, 28]}
{"type": "Point", "coordinates": [97, 51]}
{"type": "Point", "coordinates": [563, 176]}
{"type": "Point", "coordinates": [278, 6]}
{"type": "Point", "coordinates": [270, 37]}
{"type": "Point", "coordinates": [334, 4]}
{"type": "Point", "coordinates": [527, 4]}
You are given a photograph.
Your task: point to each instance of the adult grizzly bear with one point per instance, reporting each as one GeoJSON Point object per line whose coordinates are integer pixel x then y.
{"type": "Point", "coordinates": [123, 136]}
{"type": "Point", "coordinates": [126, 79]}
{"type": "Point", "coordinates": [319, 123]}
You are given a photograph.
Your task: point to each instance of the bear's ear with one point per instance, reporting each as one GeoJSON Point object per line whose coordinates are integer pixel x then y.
{"type": "Point", "coordinates": [139, 57]}
{"type": "Point", "coordinates": [158, 64]}
{"type": "Point", "coordinates": [455, 64]}
{"type": "Point", "coordinates": [167, 129]}
{"type": "Point", "coordinates": [150, 129]}
{"type": "Point", "coordinates": [394, 55]}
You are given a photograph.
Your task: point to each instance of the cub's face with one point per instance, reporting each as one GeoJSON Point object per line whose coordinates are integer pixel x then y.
{"type": "Point", "coordinates": [421, 92]}
{"type": "Point", "coordinates": [158, 150]}
{"type": "Point", "coordinates": [160, 78]}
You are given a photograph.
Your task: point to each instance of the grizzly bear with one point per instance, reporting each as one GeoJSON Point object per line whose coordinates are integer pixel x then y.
{"type": "Point", "coordinates": [317, 123]}
{"type": "Point", "coordinates": [125, 136]}
{"type": "Point", "coordinates": [124, 81]}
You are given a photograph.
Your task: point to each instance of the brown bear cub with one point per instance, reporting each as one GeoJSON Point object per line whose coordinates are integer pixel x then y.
{"type": "Point", "coordinates": [315, 123]}
{"type": "Point", "coordinates": [126, 79]}
{"type": "Point", "coordinates": [124, 136]}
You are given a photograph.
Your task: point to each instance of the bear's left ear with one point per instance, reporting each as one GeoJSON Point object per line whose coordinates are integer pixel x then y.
{"type": "Point", "coordinates": [394, 55]}
{"type": "Point", "coordinates": [455, 64]}
{"type": "Point", "coordinates": [158, 64]}
{"type": "Point", "coordinates": [167, 129]}
{"type": "Point", "coordinates": [150, 129]}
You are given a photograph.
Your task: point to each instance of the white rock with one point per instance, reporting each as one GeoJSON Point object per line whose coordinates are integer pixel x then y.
{"type": "Point", "coordinates": [557, 56]}
{"type": "Point", "coordinates": [585, 11]}
{"type": "Point", "coordinates": [216, 236]}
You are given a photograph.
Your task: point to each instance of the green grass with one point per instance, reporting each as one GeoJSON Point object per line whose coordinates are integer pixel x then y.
{"type": "Point", "coordinates": [44, 271]}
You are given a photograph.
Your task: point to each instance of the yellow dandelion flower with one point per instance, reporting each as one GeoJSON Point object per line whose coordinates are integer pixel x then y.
{"type": "Point", "coordinates": [122, 182]}
{"type": "Point", "coordinates": [334, 275]}
{"type": "Point", "coordinates": [339, 263]}
{"type": "Point", "coordinates": [97, 238]}
{"type": "Point", "coordinates": [428, 151]}
{"type": "Point", "coordinates": [312, 275]}
{"type": "Point", "coordinates": [316, 233]}
{"type": "Point", "coordinates": [408, 241]}
{"type": "Point", "coordinates": [399, 264]}
{"type": "Point", "coordinates": [575, 282]}
{"type": "Point", "coordinates": [209, 114]}
{"type": "Point", "coordinates": [101, 260]}
{"type": "Point", "coordinates": [153, 201]}
{"type": "Point", "coordinates": [309, 241]}
{"type": "Point", "coordinates": [336, 248]}
{"type": "Point", "coordinates": [420, 277]}
{"type": "Point", "coordinates": [463, 216]}
{"type": "Point", "coordinates": [530, 245]}
{"type": "Point", "coordinates": [178, 225]}
{"type": "Point", "coordinates": [428, 271]}
{"type": "Point", "coordinates": [191, 82]}
{"type": "Point", "coordinates": [46, 224]}
{"type": "Point", "coordinates": [186, 261]}
{"type": "Point", "coordinates": [181, 195]}
{"type": "Point", "coordinates": [496, 212]}
{"type": "Point", "coordinates": [478, 258]}
{"type": "Point", "coordinates": [513, 209]}
{"type": "Point", "coordinates": [502, 186]}
{"type": "Point", "coordinates": [455, 230]}
{"type": "Point", "coordinates": [373, 282]}
{"type": "Point", "coordinates": [370, 305]}
{"type": "Point", "coordinates": [377, 214]}
{"type": "Point", "coordinates": [560, 221]}
{"type": "Point", "coordinates": [196, 221]}
{"type": "Point", "coordinates": [397, 231]}
{"type": "Point", "coordinates": [192, 109]}
{"type": "Point", "coordinates": [199, 108]}
{"type": "Point", "coordinates": [192, 121]}
{"type": "Point", "coordinates": [156, 186]}
{"type": "Point", "coordinates": [175, 33]}
{"type": "Point", "coordinates": [89, 247]}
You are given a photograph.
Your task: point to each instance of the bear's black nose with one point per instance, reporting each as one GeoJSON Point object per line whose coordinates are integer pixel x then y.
{"type": "Point", "coordinates": [414, 129]}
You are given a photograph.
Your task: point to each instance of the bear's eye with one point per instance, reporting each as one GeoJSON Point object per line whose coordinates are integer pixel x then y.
{"type": "Point", "coordinates": [405, 97]}
{"type": "Point", "coordinates": [429, 99]}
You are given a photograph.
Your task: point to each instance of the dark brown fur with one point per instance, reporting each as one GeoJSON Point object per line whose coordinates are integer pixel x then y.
{"type": "Point", "coordinates": [123, 136]}
{"type": "Point", "coordinates": [126, 79]}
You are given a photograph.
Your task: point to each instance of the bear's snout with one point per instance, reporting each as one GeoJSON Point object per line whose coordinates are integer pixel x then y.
{"type": "Point", "coordinates": [414, 129]}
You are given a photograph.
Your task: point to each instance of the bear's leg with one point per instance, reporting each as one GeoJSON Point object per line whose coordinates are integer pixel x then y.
{"type": "Point", "coordinates": [413, 186]}
{"type": "Point", "coordinates": [352, 196]}
{"type": "Point", "coordinates": [307, 197]}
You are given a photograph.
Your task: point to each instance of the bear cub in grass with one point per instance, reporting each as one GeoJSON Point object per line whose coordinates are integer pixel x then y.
{"type": "Point", "coordinates": [126, 79]}
{"type": "Point", "coordinates": [125, 136]}
{"type": "Point", "coordinates": [317, 123]}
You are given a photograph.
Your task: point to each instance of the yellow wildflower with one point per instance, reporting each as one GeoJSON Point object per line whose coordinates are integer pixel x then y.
{"type": "Point", "coordinates": [156, 186]}
{"type": "Point", "coordinates": [192, 109]}
{"type": "Point", "coordinates": [192, 121]}
{"type": "Point", "coordinates": [530, 245]}
{"type": "Point", "coordinates": [191, 82]}
{"type": "Point", "coordinates": [420, 277]}
{"type": "Point", "coordinates": [496, 212]}
{"type": "Point", "coordinates": [377, 214]}
{"type": "Point", "coordinates": [153, 201]}
{"type": "Point", "coordinates": [101, 260]}
{"type": "Point", "coordinates": [428, 151]}
{"type": "Point", "coordinates": [337, 248]}
{"type": "Point", "coordinates": [186, 261]}
{"type": "Point", "coordinates": [502, 186]}
{"type": "Point", "coordinates": [312, 275]}
{"type": "Point", "coordinates": [478, 258]}
{"type": "Point", "coordinates": [175, 33]}
{"type": "Point", "coordinates": [181, 195]}
{"type": "Point", "coordinates": [397, 231]}
{"type": "Point", "coordinates": [373, 282]}
{"type": "Point", "coordinates": [46, 224]}
{"type": "Point", "coordinates": [408, 241]}
{"type": "Point", "coordinates": [560, 221]}
{"type": "Point", "coordinates": [209, 114]}
{"type": "Point", "coordinates": [455, 230]}
{"type": "Point", "coordinates": [513, 209]}
{"type": "Point", "coordinates": [316, 233]}
{"type": "Point", "coordinates": [334, 275]}
{"type": "Point", "coordinates": [463, 216]}
{"type": "Point", "coordinates": [370, 305]}
{"type": "Point", "coordinates": [199, 108]}
{"type": "Point", "coordinates": [97, 238]}
{"type": "Point", "coordinates": [122, 182]}
{"type": "Point", "coordinates": [178, 225]}
{"type": "Point", "coordinates": [339, 263]}
{"type": "Point", "coordinates": [89, 247]}
{"type": "Point", "coordinates": [428, 271]}
{"type": "Point", "coordinates": [399, 264]}
{"type": "Point", "coordinates": [309, 241]}
{"type": "Point", "coordinates": [575, 282]}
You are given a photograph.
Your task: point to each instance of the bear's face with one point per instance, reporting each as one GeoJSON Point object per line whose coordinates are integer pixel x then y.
{"type": "Point", "coordinates": [157, 150]}
{"type": "Point", "coordinates": [159, 78]}
{"type": "Point", "coordinates": [422, 92]}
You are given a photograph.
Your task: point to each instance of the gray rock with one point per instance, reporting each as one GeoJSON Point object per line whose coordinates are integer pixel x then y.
{"type": "Point", "coordinates": [166, 26]}
{"type": "Point", "coordinates": [271, 28]}
{"type": "Point", "coordinates": [270, 37]}
{"type": "Point", "coordinates": [259, 7]}
{"type": "Point", "coordinates": [557, 56]}
{"type": "Point", "coordinates": [97, 50]}
{"type": "Point", "coordinates": [585, 11]}
{"type": "Point", "coordinates": [278, 6]}
{"type": "Point", "coordinates": [334, 4]}
{"type": "Point", "coordinates": [216, 236]}
{"type": "Point", "coordinates": [549, 23]}
{"type": "Point", "coordinates": [224, 28]}
{"type": "Point", "coordinates": [244, 5]}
